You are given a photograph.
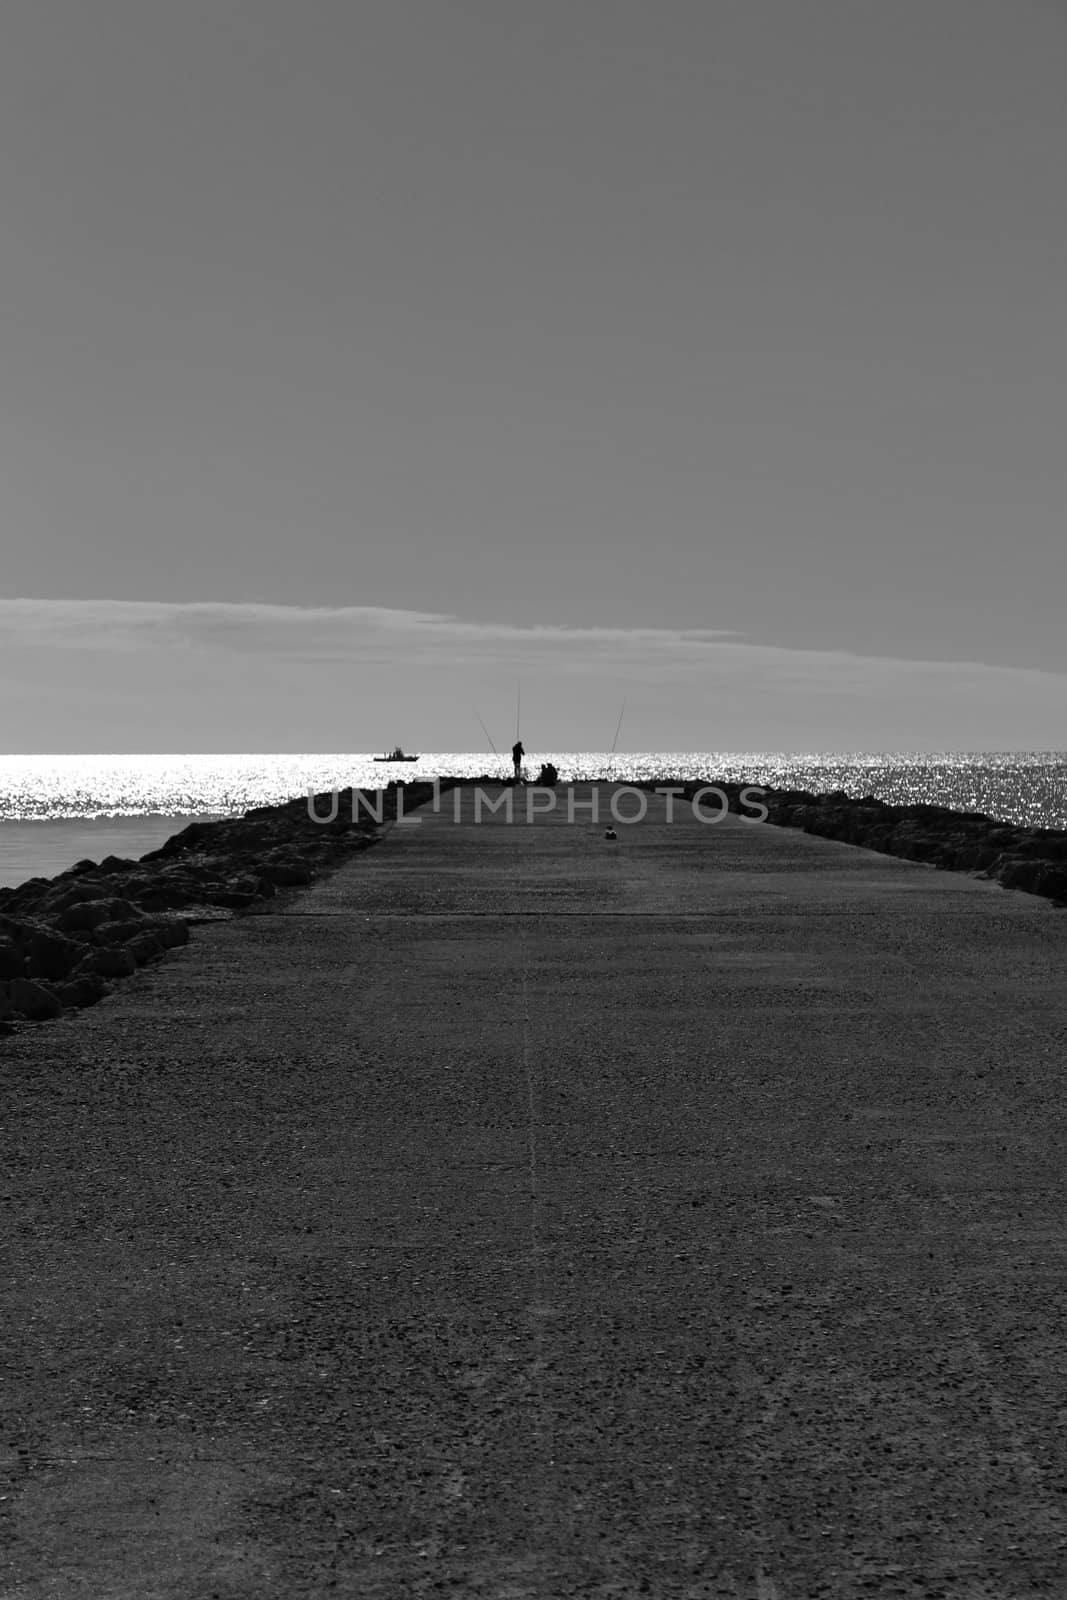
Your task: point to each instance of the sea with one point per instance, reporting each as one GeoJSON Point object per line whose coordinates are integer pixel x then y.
{"type": "Point", "coordinates": [59, 809]}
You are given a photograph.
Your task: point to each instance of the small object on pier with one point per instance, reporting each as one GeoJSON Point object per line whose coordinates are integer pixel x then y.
{"type": "Point", "coordinates": [609, 833]}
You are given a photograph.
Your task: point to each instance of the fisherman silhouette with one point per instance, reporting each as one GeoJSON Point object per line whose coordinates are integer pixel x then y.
{"type": "Point", "coordinates": [517, 753]}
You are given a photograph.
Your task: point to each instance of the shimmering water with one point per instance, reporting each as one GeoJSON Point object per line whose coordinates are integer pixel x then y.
{"type": "Point", "coordinates": [55, 810]}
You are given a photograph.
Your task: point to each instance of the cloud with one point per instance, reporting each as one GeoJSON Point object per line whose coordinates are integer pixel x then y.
{"type": "Point", "coordinates": [235, 625]}
{"type": "Point", "coordinates": [264, 636]}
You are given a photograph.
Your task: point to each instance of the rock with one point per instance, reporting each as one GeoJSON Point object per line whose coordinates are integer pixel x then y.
{"type": "Point", "coordinates": [1031, 859]}
{"type": "Point", "coordinates": [131, 888]}
{"type": "Point", "coordinates": [244, 883]}
{"type": "Point", "coordinates": [1052, 882]}
{"type": "Point", "coordinates": [170, 931]}
{"type": "Point", "coordinates": [79, 894]}
{"type": "Point", "coordinates": [11, 960]}
{"type": "Point", "coordinates": [14, 930]}
{"type": "Point", "coordinates": [63, 939]}
{"type": "Point", "coordinates": [51, 955]}
{"type": "Point", "coordinates": [34, 1001]}
{"type": "Point", "coordinates": [208, 892]}
{"type": "Point", "coordinates": [107, 963]}
{"type": "Point", "coordinates": [30, 889]}
{"type": "Point", "coordinates": [286, 873]}
{"type": "Point", "coordinates": [1014, 872]}
{"type": "Point", "coordinates": [1040, 844]}
{"type": "Point", "coordinates": [119, 930]}
{"type": "Point", "coordinates": [83, 990]}
{"type": "Point", "coordinates": [85, 914]}
{"type": "Point", "coordinates": [121, 909]}
{"type": "Point", "coordinates": [163, 897]}
{"type": "Point", "coordinates": [144, 947]}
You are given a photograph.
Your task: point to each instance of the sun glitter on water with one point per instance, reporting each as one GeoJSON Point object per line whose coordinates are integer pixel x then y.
{"type": "Point", "coordinates": [1022, 787]}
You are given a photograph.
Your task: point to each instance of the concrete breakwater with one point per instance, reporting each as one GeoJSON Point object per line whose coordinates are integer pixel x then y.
{"type": "Point", "coordinates": [515, 1212]}
{"type": "Point", "coordinates": [1031, 859]}
{"type": "Point", "coordinates": [65, 941]}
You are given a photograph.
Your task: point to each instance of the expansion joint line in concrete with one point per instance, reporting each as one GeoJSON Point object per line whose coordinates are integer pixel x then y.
{"type": "Point", "coordinates": [542, 1428]}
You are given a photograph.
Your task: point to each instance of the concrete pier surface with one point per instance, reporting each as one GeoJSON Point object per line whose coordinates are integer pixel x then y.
{"type": "Point", "coordinates": [520, 1213]}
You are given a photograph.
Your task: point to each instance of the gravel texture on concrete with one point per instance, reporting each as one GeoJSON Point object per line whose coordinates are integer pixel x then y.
{"type": "Point", "coordinates": [1014, 854]}
{"type": "Point", "coordinates": [66, 941]}
{"type": "Point", "coordinates": [520, 1213]}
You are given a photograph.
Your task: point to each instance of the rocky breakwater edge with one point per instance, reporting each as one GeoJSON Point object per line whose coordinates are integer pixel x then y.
{"type": "Point", "coordinates": [1031, 859]}
{"type": "Point", "coordinates": [66, 941]}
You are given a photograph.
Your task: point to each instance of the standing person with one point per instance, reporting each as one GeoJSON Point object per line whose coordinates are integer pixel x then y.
{"type": "Point", "coordinates": [517, 753]}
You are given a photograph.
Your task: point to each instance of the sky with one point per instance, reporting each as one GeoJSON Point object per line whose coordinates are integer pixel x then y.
{"type": "Point", "coordinates": [362, 362]}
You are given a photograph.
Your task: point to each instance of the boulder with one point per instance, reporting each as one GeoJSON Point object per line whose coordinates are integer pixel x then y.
{"type": "Point", "coordinates": [51, 955]}
{"type": "Point", "coordinates": [243, 883]}
{"type": "Point", "coordinates": [83, 915]}
{"type": "Point", "coordinates": [163, 897]}
{"type": "Point", "coordinates": [1031, 859]}
{"type": "Point", "coordinates": [144, 947]}
{"type": "Point", "coordinates": [11, 960]}
{"type": "Point", "coordinates": [170, 931]}
{"type": "Point", "coordinates": [120, 908]}
{"type": "Point", "coordinates": [207, 893]}
{"type": "Point", "coordinates": [29, 893]}
{"type": "Point", "coordinates": [63, 939]}
{"type": "Point", "coordinates": [85, 989]}
{"type": "Point", "coordinates": [286, 872]}
{"type": "Point", "coordinates": [107, 963]}
{"type": "Point", "coordinates": [16, 930]}
{"type": "Point", "coordinates": [1040, 844]}
{"type": "Point", "coordinates": [34, 1001]}
{"type": "Point", "coordinates": [1052, 881]}
{"type": "Point", "coordinates": [130, 888]}
{"type": "Point", "coordinates": [79, 894]}
{"type": "Point", "coordinates": [118, 931]}
{"type": "Point", "coordinates": [1016, 872]}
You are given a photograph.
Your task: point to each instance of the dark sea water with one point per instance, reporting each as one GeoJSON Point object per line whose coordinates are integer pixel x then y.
{"type": "Point", "coordinates": [55, 810]}
{"type": "Point", "coordinates": [41, 849]}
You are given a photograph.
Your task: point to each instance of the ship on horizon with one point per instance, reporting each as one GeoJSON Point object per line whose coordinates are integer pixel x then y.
{"type": "Point", "coordinates": [396, 754]}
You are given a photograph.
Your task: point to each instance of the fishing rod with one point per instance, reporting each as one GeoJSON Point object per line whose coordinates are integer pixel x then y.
{"type": "Point", "coordinates": [485, 730]}
{"type": "Point", "coordinates": [618, 725]}
{"type": "Point", "coordinates": [518, 708]}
